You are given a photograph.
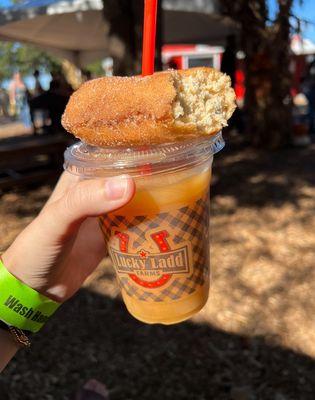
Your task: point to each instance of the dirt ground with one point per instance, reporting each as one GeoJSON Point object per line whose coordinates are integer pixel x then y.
{"type": "Point", "coordinates": [11, 128]}
{"type": "Point", "coordinates": [255, 339]}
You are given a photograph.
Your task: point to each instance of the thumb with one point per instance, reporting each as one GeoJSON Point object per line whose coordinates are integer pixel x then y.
{"type": "Point", "coordinates": [89, 198]}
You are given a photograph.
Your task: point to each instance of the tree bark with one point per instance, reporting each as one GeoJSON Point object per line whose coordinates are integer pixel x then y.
{"type": "Point", "coordinates": [268, 105]}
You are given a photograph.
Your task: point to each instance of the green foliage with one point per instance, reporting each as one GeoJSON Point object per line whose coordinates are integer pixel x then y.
{"type": "Point", "coordinates": [15, 56]}
{"type": "Point", "coordinates": [95, 69]}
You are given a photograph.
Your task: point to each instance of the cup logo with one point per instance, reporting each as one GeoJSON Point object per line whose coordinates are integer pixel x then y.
{"type": "Point", "coordinates": [160, 257]}
{"type": "Point", "coordinates": [154, 267]}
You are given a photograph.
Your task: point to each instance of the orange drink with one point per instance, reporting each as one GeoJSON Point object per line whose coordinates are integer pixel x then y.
{"type": "Point", "coordinates": [159, 242]}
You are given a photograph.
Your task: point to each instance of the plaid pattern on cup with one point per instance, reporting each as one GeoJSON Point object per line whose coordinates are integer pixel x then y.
{"type": "Point", "coordinates": [188, 224]}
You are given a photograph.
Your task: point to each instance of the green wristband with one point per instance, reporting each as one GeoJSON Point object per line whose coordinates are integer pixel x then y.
{"type": "Point", "coordinates": [21, 306]}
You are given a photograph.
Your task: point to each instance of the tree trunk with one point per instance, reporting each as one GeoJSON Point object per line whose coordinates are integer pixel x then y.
{"type": "Point", "coordinates": [280, 95]}
{"type": "Point", "coordinates": [268, 105]}
{"type": "Point", "coordinates": [125, 33]}
{"type": "Point", "coordinates": [125, 18]}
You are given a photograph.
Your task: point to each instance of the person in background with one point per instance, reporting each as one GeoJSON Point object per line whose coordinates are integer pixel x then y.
{"type": "Point", "coordinates": [86, 75]}
{"type": "Point", "coordinates": [54, 101]}
{"type": "Point", "coordinates": [308, 88]}
{"type": "Point", "coordinates": [42, 113]}
{"type": "Point", "coordinates": [38, 87]}
{"type": "Point", "coordinates": [301, 120]}
{"type": "Point", "coordinates": [19, 97]}
{"type": "Point", "coordinates": [59, 92]}
{"type": "Point", "coordinates": [4, 103]}
{"type": "Point", "coordinates": [59, 85]}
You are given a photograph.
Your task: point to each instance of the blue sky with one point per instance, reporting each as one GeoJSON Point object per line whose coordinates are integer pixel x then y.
{"type": "Point", "coordinates": [5, 3]}
{"type": "Point", "coordinates": [306, 11]}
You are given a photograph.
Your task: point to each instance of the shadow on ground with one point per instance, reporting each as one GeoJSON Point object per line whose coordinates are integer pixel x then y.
{"type": "Point", "coordinates": [261, 177]}
{"type": "Point", "coordinates": [93, 336]}
{"type": "Point", "coordinates": [262, 235]}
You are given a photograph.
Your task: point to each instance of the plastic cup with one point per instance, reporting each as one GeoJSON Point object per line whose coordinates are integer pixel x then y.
{"type": "Point", "coordinates": [159, 242]}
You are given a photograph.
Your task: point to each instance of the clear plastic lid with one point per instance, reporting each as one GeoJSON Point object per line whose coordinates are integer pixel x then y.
{"type": "Point", "coordinates": [91, 161]}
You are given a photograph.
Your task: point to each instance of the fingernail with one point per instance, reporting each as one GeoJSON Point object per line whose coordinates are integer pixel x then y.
{"type": "Point", "coordinates": [116, 187]}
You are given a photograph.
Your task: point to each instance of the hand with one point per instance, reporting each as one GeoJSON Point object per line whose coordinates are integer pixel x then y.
{"type": "Point", "coordinates": [64, 244]}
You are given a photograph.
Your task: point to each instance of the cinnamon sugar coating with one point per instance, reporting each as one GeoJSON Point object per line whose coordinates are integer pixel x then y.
{"type": "Point", "coordinates": [164, 107]}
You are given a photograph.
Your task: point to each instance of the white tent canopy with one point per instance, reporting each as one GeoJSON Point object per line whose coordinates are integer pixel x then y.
{"type": "Point", "coordinates": [77, 30]}
{"type": "Point", "coordinates": [302, 46]}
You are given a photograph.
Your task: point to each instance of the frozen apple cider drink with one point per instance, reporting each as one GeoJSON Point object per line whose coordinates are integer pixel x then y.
{"type": "Point", "coordinates": [162, 129]}
{"type": "Point", "coordinates": [159, 242]}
